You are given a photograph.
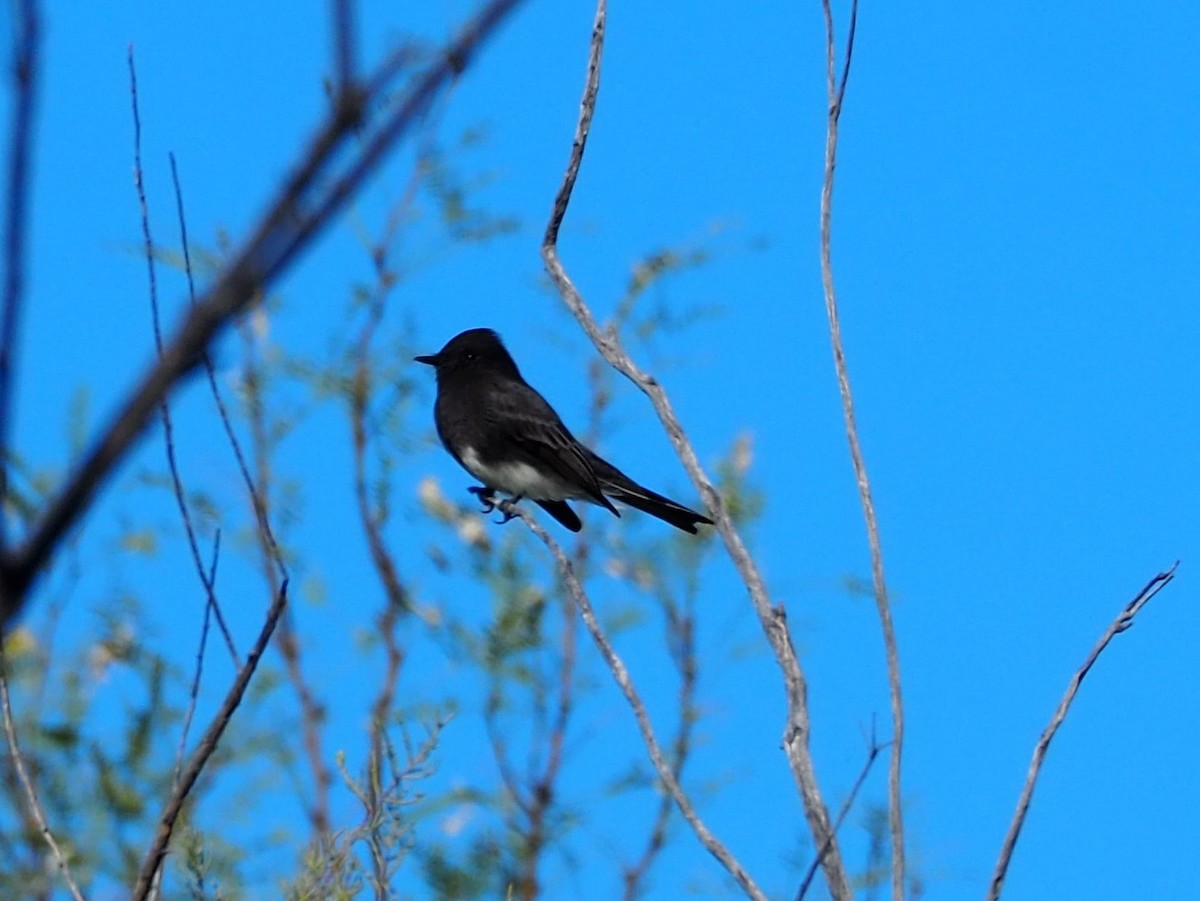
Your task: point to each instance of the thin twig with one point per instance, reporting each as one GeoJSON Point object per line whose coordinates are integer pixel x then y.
{"type": "Point", "coordinates": [34, 804]}
{"type": "Point", "coordinates": [305, 203]}
{"type": "Point", "coordinates": [312, 709]}
{"type": "Point", "coordinates": [773, 619]}
{"type": "Point", "coordinates": [836, 93]}
{"type": "Point", "coordinates": [1123, 621]}
{"type": "Point", "coordinates": [164, 408]}
{"type": "Point", "coordinates": [625, 682]}
{"type": "Point", "coordinates": [873, 749]}
{"type": "Point", "coordinates": [194, 694]}
{"type": "Point", "coordinates": [26, 43]}
{"type": "Point", "coordinates": [204, 750]}
{"type": "Point", "coordinates": [682, 629]}
{"type": "Point", "coordinates": [262, 522]}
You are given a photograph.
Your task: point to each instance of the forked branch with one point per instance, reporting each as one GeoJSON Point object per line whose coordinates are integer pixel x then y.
{"type": "Point", "coordinates": [772, 618]}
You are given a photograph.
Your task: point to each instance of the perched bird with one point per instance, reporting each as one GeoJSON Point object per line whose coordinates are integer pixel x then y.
{"type": "Point", "coordinates": [504, 433]}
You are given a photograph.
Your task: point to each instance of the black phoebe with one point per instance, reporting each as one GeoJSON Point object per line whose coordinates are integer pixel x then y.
{"type": "Point", "coordinates": [504, 433]}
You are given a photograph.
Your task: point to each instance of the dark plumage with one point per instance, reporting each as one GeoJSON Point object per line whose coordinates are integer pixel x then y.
{"type": "Point", "coordinates": [505, 434]}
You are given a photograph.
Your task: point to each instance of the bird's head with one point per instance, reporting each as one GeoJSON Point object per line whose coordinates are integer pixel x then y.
{"type": "Point", "coordinates": [475, 349]}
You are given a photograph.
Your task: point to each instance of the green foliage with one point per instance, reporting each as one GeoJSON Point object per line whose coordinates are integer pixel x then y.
{"type": "Point", "coordinates": [101, 721]}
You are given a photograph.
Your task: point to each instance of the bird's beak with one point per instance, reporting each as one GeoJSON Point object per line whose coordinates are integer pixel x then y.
{"type": "Point", "coordinates": [428, 360]}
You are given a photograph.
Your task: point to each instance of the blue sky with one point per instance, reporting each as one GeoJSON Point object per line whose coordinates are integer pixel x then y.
{"type": "Point", "coordinates": [1015, 248]}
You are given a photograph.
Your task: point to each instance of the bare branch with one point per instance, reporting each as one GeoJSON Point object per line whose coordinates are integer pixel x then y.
{"type": "Point", "coordinates": [204, 750]}
{"type": "Point", "coordinates": [26, 41]}
{"type": "Point", "coordinates": [836, 93]}
{"type": "Point", "coordinates": [34, 804]}
{"type": "Point", "coordinates": [164, 408]}
{"type": "Point", "coordinates": [873, 749]}
{"type": "Point", "coordinates": [304, 205]}
{"type": "Point", "coordinates": [313, 715]}
{"type": "Point", "coordinates": [260, 511]}
{"type": "Point", "coordinates": [1123, 621]}
{"type": "Point", "coordinates": [617, 667]}
{"type": "Point", "coordinates": [773, 619]}
{"type": "Point", "coordinates": [197, 673]}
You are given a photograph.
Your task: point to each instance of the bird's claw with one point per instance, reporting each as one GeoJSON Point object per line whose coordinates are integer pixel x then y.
{"type": "Point", "coordinates": [509, 509]}
{"type": "Point", "coordinates": [487, 497]}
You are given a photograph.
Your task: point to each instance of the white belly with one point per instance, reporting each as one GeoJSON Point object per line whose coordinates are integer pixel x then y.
{"type": "Point", "coordinates": [518, 479]}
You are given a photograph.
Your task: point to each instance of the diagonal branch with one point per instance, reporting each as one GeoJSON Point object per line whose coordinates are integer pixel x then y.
{"type": "Point", "coordinates": [773, 619]}
{"type": "Point", "coordinates": [873, 750]}
{"type": "Point", "coordinates": [836, 93]}
{"type": "Point", "coordinates": [625, 682]}
{"type": "Point", "coordinates": [204, 750]}
{"type": "Point", "coordinates": [164, 408]}
{"type": "Point", "coordinates": [304, 205]}
{"type": "Point", "coordinates": [1123, 621]}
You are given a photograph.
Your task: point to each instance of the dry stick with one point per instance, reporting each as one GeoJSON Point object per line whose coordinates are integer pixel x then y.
{"type": "Point", "coordinates": [260, 512]}
{"type": "Point", "coordinates": [617, 667]}
{"type": "Point", "coordinates": [1123, 621]}
{"type": "Point", "coordinates": [872, 753]}
{"type": "Point", "coordinates": [194, 694]}
{"type": "Point", "coordinates": [298, 213]}
{"type": "Point", "coordinates": [313, 713]}
{"type": "Point", "coordinates": [836, 92]}
{"type": "Point", "coordinates": [164, 408]}
{"type": "Point", "coordinates": [204, 750]}
{"type": "Point", "coordinates": [35, 805]}
{"type": "Point", "coordinates": [773, 619]}
{"type": "Point", "coordinates": [26, 42]}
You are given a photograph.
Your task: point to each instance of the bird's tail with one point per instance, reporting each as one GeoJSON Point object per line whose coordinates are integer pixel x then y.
{"type": "Point", "coordinates": [620, 487]}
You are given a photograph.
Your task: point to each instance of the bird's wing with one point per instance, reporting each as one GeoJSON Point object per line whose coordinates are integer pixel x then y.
{"type": "Point", "coordinates": [532, 423]}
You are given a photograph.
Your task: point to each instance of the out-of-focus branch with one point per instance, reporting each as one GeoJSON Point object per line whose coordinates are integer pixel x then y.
{"type": "Point", "coordinates": [304, 205]}
{"type": "Point", "coordinates": [1123, 621]}
{"type": "Point", "coordinates": [344, 62]}
{"type": "Point", "coordinates": [773, 619]}
{"type": "Point", "coordinates": [682, 638]}
{"type": "Point", "coordinates": [836, 94]}
{"type": "Point", "coordinates": [625, 682]}
{"type": "Point", "coordinates": [26, 41]}
{"type": "Point", "coordinates": [312, 709]}
{"type": "Point", "coordinates": [34, 804]}
{"type": "Point", "coordinates": [204, 750]}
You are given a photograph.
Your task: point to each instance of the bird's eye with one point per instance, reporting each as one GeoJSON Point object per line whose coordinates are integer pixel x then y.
{"type": "Point", "coordinates": [470, 355]}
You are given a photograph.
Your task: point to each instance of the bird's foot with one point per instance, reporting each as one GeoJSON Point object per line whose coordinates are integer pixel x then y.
{"type": "Point", "coordinates": [486, 495]}
{"type": "Point", "coordinates": [508, 507]}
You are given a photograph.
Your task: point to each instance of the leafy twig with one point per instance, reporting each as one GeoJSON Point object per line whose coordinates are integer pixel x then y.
{"type": "Point", "coordinates": [34, 804]}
